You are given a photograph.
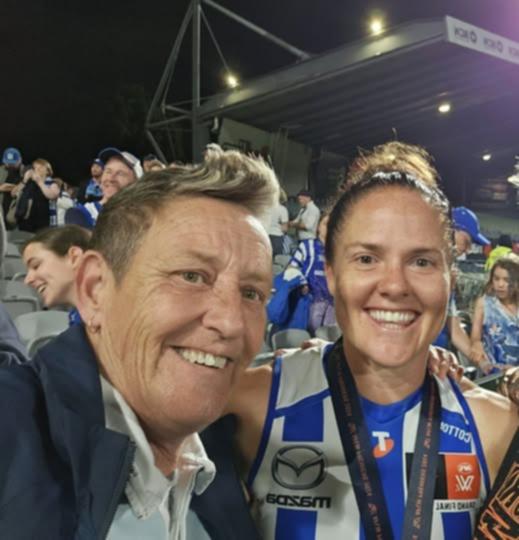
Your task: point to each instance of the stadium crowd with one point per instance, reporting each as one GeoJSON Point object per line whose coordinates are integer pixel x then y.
{"type": "Point", "coordinates": [175, 278]}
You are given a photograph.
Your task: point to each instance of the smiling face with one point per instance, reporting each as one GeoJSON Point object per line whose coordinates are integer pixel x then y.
{"type": "Point", "coordinates": [390, 278]}
{"type": "Point", "coordinates": [116, 175]}
{"type": "Point", "coordinates": [188, 315]}
{"type": "Point", "coordinates": [51, 275]}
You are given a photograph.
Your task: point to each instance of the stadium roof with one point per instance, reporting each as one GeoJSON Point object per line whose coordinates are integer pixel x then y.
{"type": "Point", "coordinates": [363, 93]}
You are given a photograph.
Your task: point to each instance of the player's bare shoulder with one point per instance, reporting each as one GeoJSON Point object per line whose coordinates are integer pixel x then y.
{"type": "Point", "coordinates": [496, 419]}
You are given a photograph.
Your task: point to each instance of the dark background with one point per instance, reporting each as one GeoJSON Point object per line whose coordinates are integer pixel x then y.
{"type": "Point", "coordinates": [78, 76]}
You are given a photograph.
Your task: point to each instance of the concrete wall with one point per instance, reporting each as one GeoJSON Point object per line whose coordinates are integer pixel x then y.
{"type": "Point", "coordinates": [291, 160]}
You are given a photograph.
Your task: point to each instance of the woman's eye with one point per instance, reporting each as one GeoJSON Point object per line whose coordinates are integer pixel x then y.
{"type": "Point", "coordinates": [192, 277]}
{"type": "Point", "coordinates": [423, 263]}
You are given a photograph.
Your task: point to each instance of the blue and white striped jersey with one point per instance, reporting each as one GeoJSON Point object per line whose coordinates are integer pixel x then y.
{"type": "Point", "coordinates": [302, 484]}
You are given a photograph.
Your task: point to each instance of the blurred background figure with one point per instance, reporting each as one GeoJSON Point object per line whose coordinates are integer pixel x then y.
{"type": "Point", "coordinates": [466, 231]}
{"type": "Point", "coordinates": [309, 260]}
{"type": "Point", "coordinates": [495, 326]}
{"type": "Point", "coordinates": [308, 217]}
{"type": "Point", "coordinates": [151, 162]}
{"type": "Point", "coordinates": [66, 200]}
{"type": "Point", "coordinates": [90, 190]}
{"type": "Point", "coordinates": [121, 169]}
{"type": "Point", "coordinates": [156, 165]}
{"type": "Point", "coordinates": [277, 224]}
{"type": "Point", "coordinates": [36, 197]}
{"type": "Point", "coordinates": [52, 257]}
{"type": "Point", "coordinates": [503, 248]}
{"type": "Point", "coordinates": [11, 174]}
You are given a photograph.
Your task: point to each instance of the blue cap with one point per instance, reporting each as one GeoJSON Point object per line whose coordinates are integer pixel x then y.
{"type": "Point", "coordinates": [465, 220]}
{"type": "Point", "coordinates": [12, 156]}
{"type": "Point", "coordinates": [99, 162]}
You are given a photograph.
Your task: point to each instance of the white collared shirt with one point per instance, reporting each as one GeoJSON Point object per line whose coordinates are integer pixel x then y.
{"type": "Point", "coordinates": [157, 505]}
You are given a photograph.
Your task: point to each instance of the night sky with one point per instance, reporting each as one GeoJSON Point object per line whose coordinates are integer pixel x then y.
{"type": "Point", "coordinates": [78, 76]}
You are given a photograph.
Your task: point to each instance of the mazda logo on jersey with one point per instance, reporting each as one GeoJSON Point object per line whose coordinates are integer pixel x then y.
{"type": "Point", "coordinates": [299, 467]}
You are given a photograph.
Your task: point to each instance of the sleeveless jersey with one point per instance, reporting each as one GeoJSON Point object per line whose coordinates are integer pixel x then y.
{"type": "Point", "coordinates": [300, 480]}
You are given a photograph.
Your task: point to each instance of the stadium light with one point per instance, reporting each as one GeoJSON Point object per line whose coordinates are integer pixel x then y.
{"type": "Point", "coordinates": [231, 80]}
{"type": "Point", "coordinates": [376, 26]}
{"type": "Point", "coordinates": [444, 107]}
{"type": "Point", "coordinates": [487, 156]}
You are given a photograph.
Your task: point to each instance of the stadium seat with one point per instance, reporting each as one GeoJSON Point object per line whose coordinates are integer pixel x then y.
{"type": "Point", "coordinates": [39, 327]}
{"type": "Point", "coordinates": [289, 339]}
{"type": "Point", "coordinates": [18, 298]}
{"type": "Point", "coordinates": [329, 332]}
{"type": "Point", "coordinates": [13, 251]}
{"type": "Point", "coordinates": [277, 269]}
{"type": "Point", "coordinates": [19, 237]}
{"type": "Point", "coordinates": [283, 260]}
{"type": "Point", "coordinates": [13, 268]}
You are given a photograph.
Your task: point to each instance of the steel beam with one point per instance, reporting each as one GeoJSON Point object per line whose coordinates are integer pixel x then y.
{"type": "Point", "coordinates": [302, 55]}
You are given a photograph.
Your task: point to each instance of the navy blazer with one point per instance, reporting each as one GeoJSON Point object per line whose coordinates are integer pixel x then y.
{"type": "Point", "coordinates": [62, 472]}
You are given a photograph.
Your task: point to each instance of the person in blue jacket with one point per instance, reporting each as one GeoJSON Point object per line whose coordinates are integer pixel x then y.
{"type": "Point", "coordinates": [99, 431]}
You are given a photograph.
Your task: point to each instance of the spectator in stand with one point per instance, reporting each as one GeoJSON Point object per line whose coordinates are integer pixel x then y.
{"type": "Point", "coordinates": [503, 248]}
{"type": "Point", "coordinates": [308, 217]}
{"type": "Point", "coordinates": [495, 326]}
{"type": "Point", "coordinates": [90, 190]}
{"type": "Point", "coordinates": [278, 224]}
{"type": "Point", "coordinates": [151, 162]}
{"type": "Point", "coordinates": [466, 231]}
{"type": "Point", "coordinates": [52, 257]}
{"type": "Point", "coordinates": [11, 174]}
{"type": "Point", "coordinates": [309, 260]}
{"type": "Point", "coordinates": [12, 351]}
{"type": "Point", "coordinates": [121, 170]}
{"type": "Point", "coordinates": [66, 200]}
{"type": "Point", "coordinates": [37, 194]}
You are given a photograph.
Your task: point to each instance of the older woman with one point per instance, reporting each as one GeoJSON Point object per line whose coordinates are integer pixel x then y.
{"type": "Point", "coordinates": [100, 430]}
{"type": "Point", "coordinates": [358, 437]}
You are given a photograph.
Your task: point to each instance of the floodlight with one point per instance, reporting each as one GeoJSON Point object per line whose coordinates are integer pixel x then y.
{"type": "Point", "coordinates": [231, 80]}
{"type": "Point", "coordinates": [376, 26]}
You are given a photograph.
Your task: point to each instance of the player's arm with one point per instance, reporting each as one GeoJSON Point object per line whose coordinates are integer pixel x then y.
{"type": "Point", "coordinates": [249, 403]}
{"type": "Point", "coordinates": [497, 420]}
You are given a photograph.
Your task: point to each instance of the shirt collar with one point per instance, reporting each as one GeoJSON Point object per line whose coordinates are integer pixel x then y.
{"type": "Point", "coordinates": [147, 488]}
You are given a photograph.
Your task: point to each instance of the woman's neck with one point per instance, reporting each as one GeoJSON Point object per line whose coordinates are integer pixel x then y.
{"type": "Point", "coordinates": [383, 384]}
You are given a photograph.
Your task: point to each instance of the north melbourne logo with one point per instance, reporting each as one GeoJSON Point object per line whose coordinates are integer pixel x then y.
{"type": "Point", "coordinates": [299, 467]}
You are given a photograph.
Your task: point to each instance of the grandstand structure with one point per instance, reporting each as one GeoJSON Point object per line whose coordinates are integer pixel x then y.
{"type": "Point", "coordinates": [362, 93]}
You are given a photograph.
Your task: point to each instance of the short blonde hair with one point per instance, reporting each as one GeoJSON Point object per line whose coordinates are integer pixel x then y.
{"type": "Point", "coordinates": [230, 176]}
{"type": "Point", "coordinates": [44, 163]}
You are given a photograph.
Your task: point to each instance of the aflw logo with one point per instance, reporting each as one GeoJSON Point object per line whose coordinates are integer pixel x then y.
{"type": "Point", "coordinates": [384, 443]}
{"type": "Point", "coordinates": [465, 478]}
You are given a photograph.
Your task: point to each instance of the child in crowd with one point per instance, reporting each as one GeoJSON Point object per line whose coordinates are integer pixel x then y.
{"type": "Point", "coordinates": [495, 327]}
{"type": "Point", "coordinates": [52, 257]}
